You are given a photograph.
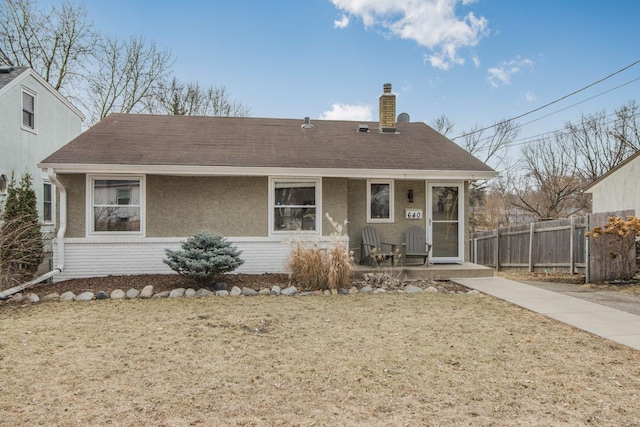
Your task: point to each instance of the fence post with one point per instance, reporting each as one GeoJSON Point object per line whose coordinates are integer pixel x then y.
{"type": "Point", "coordinates": [497, 255]}
{"type": "Point", "coordinates": [532, 233]}
{"type": "Point", "coordinates": [572, 262]}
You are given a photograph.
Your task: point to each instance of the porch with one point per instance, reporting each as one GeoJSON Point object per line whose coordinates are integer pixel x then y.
{"type": "Point", "coordinates": [428, 272]}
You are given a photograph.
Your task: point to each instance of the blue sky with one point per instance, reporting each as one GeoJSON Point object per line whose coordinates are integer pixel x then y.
{"type": "Point", "coordinates": [474, 61]}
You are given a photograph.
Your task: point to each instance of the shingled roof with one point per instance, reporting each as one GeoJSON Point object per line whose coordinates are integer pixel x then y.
{"type": "Point", "coordinates": [7, 74]}
{"type": "Point", "coordinates": [136, 142]}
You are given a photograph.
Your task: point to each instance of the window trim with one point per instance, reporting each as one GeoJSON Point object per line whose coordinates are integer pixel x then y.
{"type": "Point", "coordinates": [271, 208]}
{"type": "Point", "coordinates": [33, 94]}
{"type": "Point", "coordinates": [90, 226]}
{"type": "Point", "coordinates": [390, 182]}
{"type": "Point", "coordinates": [51, 220]}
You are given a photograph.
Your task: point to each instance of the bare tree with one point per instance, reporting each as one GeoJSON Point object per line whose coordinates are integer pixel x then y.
{"type": "Point", "coordinates": [190, 99]}
{"type": "Point", "coordinates": [56, 44]}
{"type": "Point", "coordinates": [550, 186]}
{"type": "Point", "coordinates": [127, 74]}
{"type": "Point", "coordinates": [602, 143]}
{"type": "Point", "coordinates": [443, 124]}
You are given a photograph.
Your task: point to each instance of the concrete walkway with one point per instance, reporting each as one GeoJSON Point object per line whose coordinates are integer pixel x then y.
{"type": "Point", "coordinates": [615, 325]}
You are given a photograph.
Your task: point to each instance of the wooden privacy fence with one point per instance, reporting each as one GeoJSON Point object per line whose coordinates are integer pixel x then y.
{"type": "Point", "coordinates": [549, 246]}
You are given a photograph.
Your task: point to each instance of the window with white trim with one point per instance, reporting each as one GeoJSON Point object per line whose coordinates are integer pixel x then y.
{"type": "Point", "coordinates": [47, 202]}
{"type": "Point", "coordinates": [379, 200]}
{"type": "Point", "coordinates": [116, 205]}
{"type": "Point", "coordinates": [28, 110]}
{"type": "Point", "coordinates": [295, 205]}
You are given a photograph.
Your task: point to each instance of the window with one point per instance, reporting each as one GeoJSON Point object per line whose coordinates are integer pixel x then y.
{"type": "Point", "coordinates": [295, 205]}
{"type": "Point", "coordinates": [47, 202]}
{"type": "Point", "coordinates": [379, 201]}
{"type": "Point", "coordinates": [116, 205]}
{"type": "Point", "coordinates": [28, 110]}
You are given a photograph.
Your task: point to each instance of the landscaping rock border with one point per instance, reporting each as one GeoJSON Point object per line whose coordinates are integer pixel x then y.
{"type": "Point", "coordinates": [359, 287]}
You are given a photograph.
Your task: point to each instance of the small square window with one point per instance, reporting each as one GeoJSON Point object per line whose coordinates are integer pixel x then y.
{"type": "Point", "coordinates": [28, 110]}
{"type": "Point", "coordinates": [295, 205]}
{"type": "Point", "coordinates": [116, 205]}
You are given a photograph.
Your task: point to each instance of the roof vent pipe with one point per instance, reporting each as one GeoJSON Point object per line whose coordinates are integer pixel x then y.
{"type": "Point", "coordinates": [307, 123]}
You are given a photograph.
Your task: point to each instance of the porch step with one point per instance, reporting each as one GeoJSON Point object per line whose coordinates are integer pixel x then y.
{"type": "Point", "coordinates": [430, 272]}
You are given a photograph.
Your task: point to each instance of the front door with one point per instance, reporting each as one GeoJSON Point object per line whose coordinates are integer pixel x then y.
{"type": "Point", "coordinates": [445, 222]}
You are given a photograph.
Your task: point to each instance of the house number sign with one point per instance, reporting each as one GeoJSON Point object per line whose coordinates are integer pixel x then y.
{"type": "Point", "coordinates": [413, 213]}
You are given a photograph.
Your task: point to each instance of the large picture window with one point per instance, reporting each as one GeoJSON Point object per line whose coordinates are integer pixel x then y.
{"type": "Point", "coordinates": [295, 205]}
{"type": "Point", "coordinates": [116, 205]}
{"type": "Point", "coordinates": [379, 201]}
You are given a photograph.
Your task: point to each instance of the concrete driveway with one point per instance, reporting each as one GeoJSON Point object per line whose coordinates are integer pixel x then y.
{"type": "Point", "coordinates": [614, 299]}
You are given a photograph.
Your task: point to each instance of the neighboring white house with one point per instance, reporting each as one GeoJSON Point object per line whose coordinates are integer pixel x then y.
{"type": "Point", "coordinates": [35, 121]}
{"type": "Point", "coordinates": [618, 189]}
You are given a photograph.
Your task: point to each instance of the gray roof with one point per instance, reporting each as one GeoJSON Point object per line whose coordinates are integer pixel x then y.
{"type": "Point", "coordinates": [6, 78]}
{"type": "Point", "coordinates": [138, 140]}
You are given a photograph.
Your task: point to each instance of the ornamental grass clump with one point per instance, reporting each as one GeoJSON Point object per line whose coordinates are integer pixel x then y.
{"type": "Point", "coordinates": [315, 265]}
{"type": "Point", "coordinates": [203, 257]}
{"type": "Point", "coordinates": [621, 236]}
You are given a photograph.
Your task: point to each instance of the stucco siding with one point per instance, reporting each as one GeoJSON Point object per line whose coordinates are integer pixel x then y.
{"type": "Point", "coordinates": [182, 206]}
{"type": "Point", "coordinates": [334, 203]}
{"type": "Point", "coordinates": [75, 185]}
{"type": "Point", "coordinates": [618, 191]}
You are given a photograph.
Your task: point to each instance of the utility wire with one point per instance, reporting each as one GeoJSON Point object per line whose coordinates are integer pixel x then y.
{"type": "Point", "coordinates": [529, 138]}
{"type": "Point", "coordinates": [550, 103]}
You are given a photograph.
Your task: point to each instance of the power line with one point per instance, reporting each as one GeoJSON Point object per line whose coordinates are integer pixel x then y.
{"type": "Point", "coordinates": [520, 126]}
{"type": "Point", "coordinates": [550, 103]}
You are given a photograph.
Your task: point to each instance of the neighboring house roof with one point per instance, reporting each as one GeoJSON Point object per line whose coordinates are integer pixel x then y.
{"type": "Point", "coordinates": [255, 146]}
{"type": "Point", "coordinates": [10, 76]}
{"type": "Point", "coordinates": [622, 164]}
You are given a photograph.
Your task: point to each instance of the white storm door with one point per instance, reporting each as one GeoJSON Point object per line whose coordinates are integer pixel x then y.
{"type": "Point", "coordinates": [445, 222]}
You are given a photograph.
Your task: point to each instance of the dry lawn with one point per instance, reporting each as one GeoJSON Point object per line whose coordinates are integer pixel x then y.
{"type": "Point", "coordinates": [374, 360]}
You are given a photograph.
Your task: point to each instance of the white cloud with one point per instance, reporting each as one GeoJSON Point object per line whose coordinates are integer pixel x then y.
{"type": "Point", "coordinates": [354, 112]}
{"type": "Point", "coordinates": [430, 23]}
{"type": "Point", "coordinates": [476, 60]}
{"type": "Point", "coordinates": [530, 96]}
{"type": "Point", "coordinates": [501, 75]}
{"type": "Point", "coordinates": [342, 22]}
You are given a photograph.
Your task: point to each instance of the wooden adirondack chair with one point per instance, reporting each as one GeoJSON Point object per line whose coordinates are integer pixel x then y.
{"type": "Point", "coordinates": [416, 245]}
{"type": "Point", "coordinates": [372, 251]}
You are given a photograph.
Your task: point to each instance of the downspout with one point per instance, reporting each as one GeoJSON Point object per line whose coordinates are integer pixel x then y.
{"type": "Point", "coordinates": [62, 229]}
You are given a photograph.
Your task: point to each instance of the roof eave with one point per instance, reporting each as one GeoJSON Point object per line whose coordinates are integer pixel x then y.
{"type": "Point", "coordinates": [178, 170]}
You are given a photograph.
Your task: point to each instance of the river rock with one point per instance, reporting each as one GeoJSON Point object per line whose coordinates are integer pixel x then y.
{"type": "Point", "coordinates": [413, 289]}
{"type": "Point", "coordinates": [275, 290]}
{"type": "Point", "coordinates": [102, 295]}
{"type": "Point", "coordinates": [17, 298]}
{"type": "Point", "coordinates": [51, 297]}
{"type": "Point", "coordinates": [85, 296]}
{"type": "Point", "coordinates": [189, 293]}
{"type": "Point", "coordinates": [202, 292]}
{"type": "Point", "coordinates": [67, 296]}
{"type": "Point", "coordinates": [222, 293]}
{"type": "Point", "coordinates": [118, 294]}
{"type": "Point", "coordinates": [235, 291]}
{"type": "Point", "coordinates": [132, 293]}
{"type": "Point", "coordinates": [291, 290]}
{"type": "Point", "coordinates": [147, 292]}
{"type": "Point", "coordinates": [366, 290]}
{"type": "Point", "coordinates": [164, 294]}
{"type": "Point", "coordinates": [264, 291]}
{"type": "Point", "coordinates": [177, 293]}
{"type": "Point", "coordinates": [248, 292]}
{"type": "Point", "coordinates": [432, 290]}
{"type": "Point", "coordinates": [220, 286]}
{"type": "Point", "coordinates": [31, 297]}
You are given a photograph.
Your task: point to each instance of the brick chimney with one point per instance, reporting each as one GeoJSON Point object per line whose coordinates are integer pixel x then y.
{"type": "Point", "coordinates": [387, 109]}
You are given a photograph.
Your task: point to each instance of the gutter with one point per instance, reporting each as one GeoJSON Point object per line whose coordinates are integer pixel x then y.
{"type": "Point", "coordinates": [62, 229]}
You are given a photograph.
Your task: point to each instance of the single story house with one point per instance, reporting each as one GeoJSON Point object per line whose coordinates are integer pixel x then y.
{"type": "Point", "coordinates": [617, 190]}
{"type": "Point", "coordinates": [133, 185]}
